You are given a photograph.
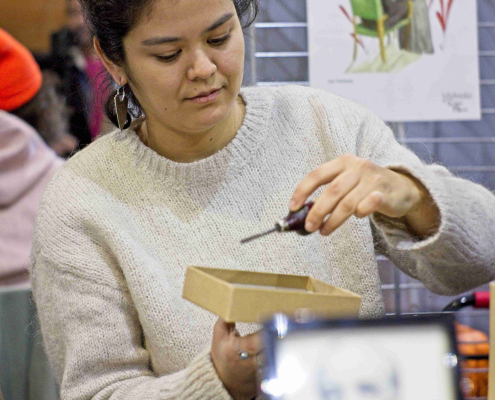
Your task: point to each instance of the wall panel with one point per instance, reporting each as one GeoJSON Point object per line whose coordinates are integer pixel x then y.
{"type": "Point", "coordinates": [32, 21]}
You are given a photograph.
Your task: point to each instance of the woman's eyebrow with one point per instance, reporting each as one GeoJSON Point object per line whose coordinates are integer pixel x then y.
{"type": "Point", "coordinates": [220, 21]}
{"type": "Point", "coordinates": [170, 39]}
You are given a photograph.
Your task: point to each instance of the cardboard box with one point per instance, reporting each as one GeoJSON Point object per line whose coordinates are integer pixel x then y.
{"type": "Point", "coordinates": [241, 296]}
{"type": "Point", "coordinates": [491, 356]}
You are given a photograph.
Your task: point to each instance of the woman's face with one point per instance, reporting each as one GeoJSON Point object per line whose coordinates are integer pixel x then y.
{"type": "Point", "coordinates": [185, 60]}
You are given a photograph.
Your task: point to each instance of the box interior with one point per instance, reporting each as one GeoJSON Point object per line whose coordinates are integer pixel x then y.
{"type": "Point", "coordinates": [268, 280]}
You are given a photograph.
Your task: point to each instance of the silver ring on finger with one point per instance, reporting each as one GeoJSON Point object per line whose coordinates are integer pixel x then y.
{"type": "Point", "coordinates": [244, 355]}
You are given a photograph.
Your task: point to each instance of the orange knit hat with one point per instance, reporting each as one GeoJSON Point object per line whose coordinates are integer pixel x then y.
{"type": "Point", "coordinates": [20, 75]}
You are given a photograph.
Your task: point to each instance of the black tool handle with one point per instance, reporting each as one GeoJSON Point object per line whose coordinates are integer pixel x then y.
{"type": "Point", "coordinates": [295, 219]}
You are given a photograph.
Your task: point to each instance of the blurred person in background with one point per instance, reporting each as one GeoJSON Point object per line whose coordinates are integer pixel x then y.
{"type": "Point", "coordinates": [48, 114]}
{"type": "Point", "coordinates": [74, 60]}
{"type": "Point", "coordinates": [27, 163]}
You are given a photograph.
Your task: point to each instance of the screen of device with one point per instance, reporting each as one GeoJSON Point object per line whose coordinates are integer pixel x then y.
{"type": "Point", "coordinates": [404, 362]}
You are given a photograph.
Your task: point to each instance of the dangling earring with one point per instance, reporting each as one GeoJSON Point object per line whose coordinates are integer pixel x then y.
{"type": "Point", "coordinates": [120, 101]}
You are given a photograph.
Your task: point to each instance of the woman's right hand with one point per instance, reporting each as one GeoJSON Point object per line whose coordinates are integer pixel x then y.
{"type": "Point", "coordinates": [237, 375]}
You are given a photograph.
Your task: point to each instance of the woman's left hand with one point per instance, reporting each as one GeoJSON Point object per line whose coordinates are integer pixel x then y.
{"type": "Point", "coordinates": [358, 187]}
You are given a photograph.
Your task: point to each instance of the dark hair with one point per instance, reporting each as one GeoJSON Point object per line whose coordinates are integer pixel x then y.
{"type": "Point", "coordinates": [46, 112]}
{"type": "Point", "coordinates": [111, 20]}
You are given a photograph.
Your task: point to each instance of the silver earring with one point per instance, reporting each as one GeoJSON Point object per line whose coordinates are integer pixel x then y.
{"type": "Point", "coordinates": [120, 101]}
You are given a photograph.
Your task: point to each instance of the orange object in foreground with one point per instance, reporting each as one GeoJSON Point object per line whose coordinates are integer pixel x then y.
{"type": "Point", "coordinates": [473, 343]}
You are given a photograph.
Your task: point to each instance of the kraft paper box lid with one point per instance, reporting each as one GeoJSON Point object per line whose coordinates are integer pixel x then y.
{"type": "Point", "coordinates": [242, 296]}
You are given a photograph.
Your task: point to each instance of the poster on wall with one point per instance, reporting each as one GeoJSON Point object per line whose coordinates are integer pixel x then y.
{"type": "Point", "coordinates": [406, 60]}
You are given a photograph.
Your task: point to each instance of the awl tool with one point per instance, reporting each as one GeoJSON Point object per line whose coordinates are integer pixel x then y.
{"type": "Point", "coordinates": [293, 222]}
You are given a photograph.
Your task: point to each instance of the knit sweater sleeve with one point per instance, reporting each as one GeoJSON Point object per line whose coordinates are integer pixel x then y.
{"type": "Point", "coordinates": [460, 255]}
{"type": "Point", "coordinates": [90, 326]}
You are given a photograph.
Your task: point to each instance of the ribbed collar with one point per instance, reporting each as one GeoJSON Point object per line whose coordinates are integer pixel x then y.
{"type": "Point", "coordinates": [234, 156]}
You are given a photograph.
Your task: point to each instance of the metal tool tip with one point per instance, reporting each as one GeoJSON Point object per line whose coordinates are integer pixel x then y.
{"type": "Point", "coordinates": [248, 239]}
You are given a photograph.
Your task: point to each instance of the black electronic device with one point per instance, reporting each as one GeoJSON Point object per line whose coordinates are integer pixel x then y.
{"type": "Point", "coordinates": [394, 358]}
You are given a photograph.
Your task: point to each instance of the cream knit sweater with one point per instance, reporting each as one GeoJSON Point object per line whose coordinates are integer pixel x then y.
{"type": "Point", "coordinates": [119, 224]}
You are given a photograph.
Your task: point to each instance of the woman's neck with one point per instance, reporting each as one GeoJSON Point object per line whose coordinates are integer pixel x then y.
{"type": "Point", "coordinates": [190, 148]}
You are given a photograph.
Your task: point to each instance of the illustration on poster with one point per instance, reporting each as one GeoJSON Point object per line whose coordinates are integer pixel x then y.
{"type": "Point", "coordinates": [406, 60]}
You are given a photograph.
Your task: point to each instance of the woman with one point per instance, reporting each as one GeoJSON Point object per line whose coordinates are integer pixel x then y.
{"type": "Point", "coordinates": [204, 164]}
{"type": "Point", "coordinates": [26, 161]}
{"type": "Point", "coordinates": [48, 115]}
{"type": "Point", "coordinates": [26, 166]}
{"type": "Point", "coordinates": [32, 95]}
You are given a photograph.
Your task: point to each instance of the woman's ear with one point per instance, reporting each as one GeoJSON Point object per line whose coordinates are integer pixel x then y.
{"type": "Point", "coordinates": [117, 72]}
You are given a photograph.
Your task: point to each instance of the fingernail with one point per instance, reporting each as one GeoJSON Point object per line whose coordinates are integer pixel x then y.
{"type": "Point", "coordinates": [292, 204]}
{"type": "Point", "coordinates": [309, 226]}
{"type": "Point", "coordinates": [325, 232]}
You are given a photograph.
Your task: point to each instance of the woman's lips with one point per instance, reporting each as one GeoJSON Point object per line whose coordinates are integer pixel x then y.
{"type": "Point", "coordinates": [207, 98]}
